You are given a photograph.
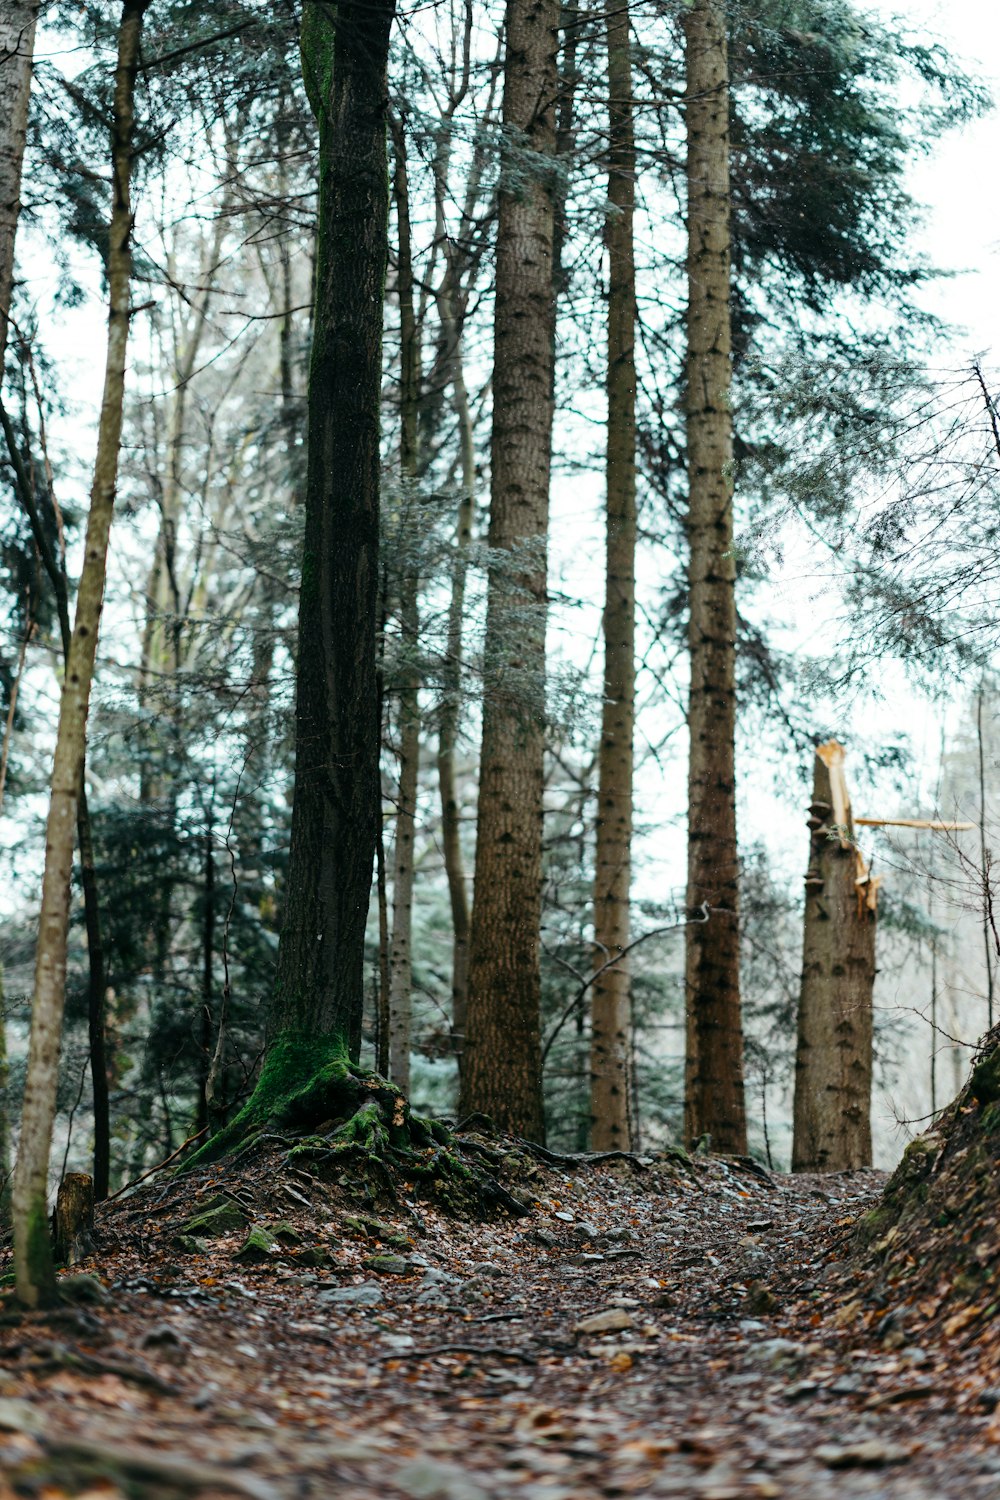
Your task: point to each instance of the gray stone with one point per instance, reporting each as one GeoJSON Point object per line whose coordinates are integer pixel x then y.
{"type": "Point", "coordinates": [427, 1479]}
{"type": "Point", "coordinates": [779, 1354]}
{"type": "Point", "coordinates": [368, 1294]}
{"type": "Point", "coordinates": [260, 1245]}
{"type": "Point", "coordinates": [221, 1216]}
{"type": "Point", "coordinates": [584, 1232]}
{"type": "Point", "coordinates": [388, 1265]}
{"type": "Point", "coordinates": [612, 1320]}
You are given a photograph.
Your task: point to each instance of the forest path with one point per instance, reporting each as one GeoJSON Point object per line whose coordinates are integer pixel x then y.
{"type": "Point", "coordinates": [468, 1365]}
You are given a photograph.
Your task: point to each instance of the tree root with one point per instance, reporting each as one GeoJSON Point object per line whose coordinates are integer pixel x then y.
{"type": "Point", "coordinates": [343, 1116]}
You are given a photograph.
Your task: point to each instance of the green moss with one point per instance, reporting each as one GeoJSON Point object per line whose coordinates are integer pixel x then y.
{"type": "Point", "coordinates": [259, 1245]}
{"type": "Point", "coordinates": [302, 1073]}
{"type": "Point", "coordinates": [36, 1275]}
{"type": "Point", "coordinates": [221, 1216]}
{"type": "Point", "coordinates": [316, 44]}
{"type": "Point", "coordinates": [985, 1082]}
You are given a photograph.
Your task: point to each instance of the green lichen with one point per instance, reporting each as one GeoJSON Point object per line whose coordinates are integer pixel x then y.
{"type": "Point", "coordinates": [36, 1275]}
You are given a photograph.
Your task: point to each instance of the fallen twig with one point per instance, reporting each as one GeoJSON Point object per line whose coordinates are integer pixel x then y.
{"type": "Point", "coordinates": [62, 1357]}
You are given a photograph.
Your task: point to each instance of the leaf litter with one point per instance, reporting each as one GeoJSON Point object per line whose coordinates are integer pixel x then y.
{"type": "Point", "coordinates": [653, 1326]}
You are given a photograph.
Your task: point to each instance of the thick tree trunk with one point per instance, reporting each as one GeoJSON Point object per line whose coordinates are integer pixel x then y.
{"type": "Point", "coordinates": [319, 989]}
{"type": "Point", "coordinates": [611, 1001]}
{"type": "Point", "coordinates": [400, 962]}
{"type": "Point", "coordinates": [32, 1247]}
{"type": "Point", "coordinates": [833, 1058]}
{"type": "Point", "coordinates": [713, 1102]}
{"type": "Point", "coordinates": [17, 44]}
{"type": "Point", "coordinates": [502, 1072]}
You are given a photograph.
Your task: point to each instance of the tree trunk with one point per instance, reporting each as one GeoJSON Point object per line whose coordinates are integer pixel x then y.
{"type": "Point", "coordinates": [713, 1102]}
{"type": "Point", "coordinates": [96, 990]}
{"type": "Point", "coordinates": [17, 44]}
{"type": "Point", "coordinates": [833, 1057]}
{"type": "Point", "coordinates": [451, 841]}
{"type": "Point", "coordinates": [206, 1028]}
{"type": "Point", "coordinates": [32, 1246]}
{"type": "Point", "coordinates": [502, 1073]}
{"type": "Point", "coordinates": [319, 990]}
{"type": "Point", "coordinates": [611, 1001]}
{"type": "Point", "coordinates": [400, 963]}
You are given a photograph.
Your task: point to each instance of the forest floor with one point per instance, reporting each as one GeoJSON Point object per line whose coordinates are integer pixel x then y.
{"type": "Point", "coordinates": [652, 1330]}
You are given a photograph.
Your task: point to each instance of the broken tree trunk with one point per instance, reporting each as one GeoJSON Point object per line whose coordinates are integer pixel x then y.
{"type": "Point", "coordinates": [73, 1219]}
{"type": "Point", "coordinates": [833, 1063]}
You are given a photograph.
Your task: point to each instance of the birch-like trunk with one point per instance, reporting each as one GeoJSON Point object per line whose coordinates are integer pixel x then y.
{"type": "Point", "coordinates": [502, 1069]}
{"type": "Point", "coordinates": [833, 1056]}
{"type": "Point", "coordinates": [18, 19]}
{"type": "Point", "coordinates": [611, 1000]}
{"type": "Point", "coordinates": [32, 1247]}
{"type": "Point", "coordinates": [400, 959]}
{"type": "Point", "coordinates": [713, 1102]}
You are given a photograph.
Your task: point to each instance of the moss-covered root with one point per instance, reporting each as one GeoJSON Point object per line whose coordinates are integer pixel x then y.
{"type": "Point", "coordinates": [308, 1084]}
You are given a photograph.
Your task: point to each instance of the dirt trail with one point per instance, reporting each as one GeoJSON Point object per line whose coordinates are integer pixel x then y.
{"type": "Point", "coordinates": [646, 1331]}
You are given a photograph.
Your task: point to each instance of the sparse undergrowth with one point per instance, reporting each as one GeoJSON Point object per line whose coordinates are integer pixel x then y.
{"type": "Point", "coordinates": [930, 1251]}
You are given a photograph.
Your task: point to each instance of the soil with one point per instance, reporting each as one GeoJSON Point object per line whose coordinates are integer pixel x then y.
{"type": "Point", "coordinates": [651, 1327]}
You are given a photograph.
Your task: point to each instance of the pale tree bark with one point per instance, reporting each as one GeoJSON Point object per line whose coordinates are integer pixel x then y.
{"type": "Point", "coordinates": [448, 722]}
{"type": "Point", "coordinates": [462, 254]}
{"type": "Point", "coordinates": [714, 1101]}
{"type": "Point", "coordinates": [833, 1055]}
{"type": "Point", "coordinates": [18, 19]}
{"type": "Point", "coordinates": [55, 569]}
{"type": "Point", "coordinates": [611, 1001]}
{"type": "Point", "coordinates": [400, 955]}
{"type": "Point", "coordinates": [32, 1247]}
{"type": "Point", "coordinates": [17, 44]}
{"type": "Point", "coordinates": [502, 1072]}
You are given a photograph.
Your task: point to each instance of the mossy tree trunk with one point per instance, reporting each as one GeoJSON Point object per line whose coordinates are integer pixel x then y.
{"type": "Point", "coordinates": [833, 1055]}
{"type": "Point", "coordinates": [319, 985]}
{"type": "Point", "coordinates": [713, 1097]}
{"type": "Point", "coordinates": [501, 1076]}
{"type": "Point", "coordinates": [611, 1000]}
{"type": "Point", "coordinates": [32, 1247]}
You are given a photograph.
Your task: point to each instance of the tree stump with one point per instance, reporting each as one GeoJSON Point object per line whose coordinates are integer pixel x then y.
{"type": "Point", "coordinates": [73, 1219]}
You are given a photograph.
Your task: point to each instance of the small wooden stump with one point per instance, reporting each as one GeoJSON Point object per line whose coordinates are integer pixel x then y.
{"type": "Point", "coordinates": [73, 1219]}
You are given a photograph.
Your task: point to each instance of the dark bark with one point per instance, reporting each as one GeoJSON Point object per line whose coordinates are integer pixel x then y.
{"type": "Point", "coordinates": [320, 981]}
{"type": "Point", "coordinates": [502, 1066]}
{"type": "Point", "coordinates": [713, 1103]}
{"type": "Point", "coordinates": [205, 1028]}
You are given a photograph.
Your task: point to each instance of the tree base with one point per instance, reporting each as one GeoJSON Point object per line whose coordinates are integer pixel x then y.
{"type": "Point", "coordinates": [345, 1115]}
